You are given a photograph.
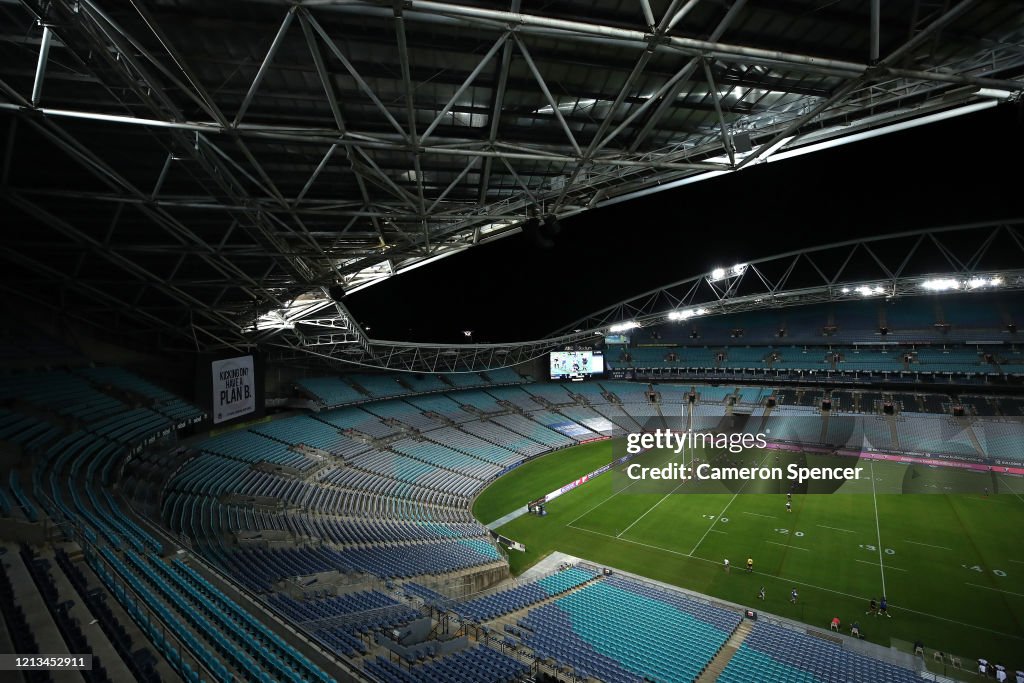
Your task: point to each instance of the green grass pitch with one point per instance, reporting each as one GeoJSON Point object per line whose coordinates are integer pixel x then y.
{"type": "Point", "coordinates": [952, 564]}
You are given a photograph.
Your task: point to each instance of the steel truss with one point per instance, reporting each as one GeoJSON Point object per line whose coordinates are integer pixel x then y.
{"type": "Point", "coordinates": [913, 263]}
{"type": "Point", "coordinates": [981, 257]}
{"type": "Point", "coordinates": [354, 140]}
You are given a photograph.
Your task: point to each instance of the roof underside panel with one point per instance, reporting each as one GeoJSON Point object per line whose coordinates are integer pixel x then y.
{"type": "Point", "coordinates": [232, 156]}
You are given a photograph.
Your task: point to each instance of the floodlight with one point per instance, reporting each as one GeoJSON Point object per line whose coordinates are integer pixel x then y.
{"type": "Point", "coordinates": [686, 314]}
{"type": "Point", "coordinates": [995, 93]}
{"type": "Point", "coordinates": [941, 284]}
{"type": "Point", "coordinates": [739, 269]}
{"type": "Point", "coordinates": [845, 290]}
{"type": "Point", "coordinates": [718, 273]}
{"type": "Point", "coordinates": [976, 282]}
{"type": "Point", "coordinates": [624, 327]}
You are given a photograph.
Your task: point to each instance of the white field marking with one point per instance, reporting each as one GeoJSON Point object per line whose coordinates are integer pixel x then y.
{"type": "Point", "coordinates": [878, 529]}
{"type": "Point", "coordinates": [758, 514]}
{"type": "Point", "coordinates": [681, 482]}
{"type": "Point", "coordinates": [1002, 479]}
{"type": "Point", "coordinates": [929, 545]}
{"type": "Point", "coordinates": [1016, 561]}
{"type": "Point", "coordinates": [789, 546]}
{"type": "Point", "coordinates": [715, 521]}
{"type": "Point", "coordinates": [600, 504]}
{"type": "Point", "coordinates": [997, 590]}
{"type": "Point", "coordinates": [718, 563]}
{"type": "Point", "coordinates": [835, 528]}
{"type": "Point", "coordinates": [875, 564]}
{"type": "Point", "coordinates": [719, 532]}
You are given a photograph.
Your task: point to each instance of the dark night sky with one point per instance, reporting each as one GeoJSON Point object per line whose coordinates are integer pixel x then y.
{"type": "Point", "coordinates": [959, 171]}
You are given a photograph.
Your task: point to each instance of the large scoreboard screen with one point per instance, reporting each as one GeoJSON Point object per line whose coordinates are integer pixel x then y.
{"type": "Point", "coordinates": [576, 364]}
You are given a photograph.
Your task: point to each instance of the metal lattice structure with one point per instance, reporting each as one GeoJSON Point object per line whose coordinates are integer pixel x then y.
{"type": "Point", "coordinates": [199, 174]}
{"type": "Point", "coordinates": [982, 257]}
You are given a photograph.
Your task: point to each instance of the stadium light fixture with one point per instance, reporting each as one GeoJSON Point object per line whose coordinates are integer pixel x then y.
{"type": "Point", "coordinates": [724, 273]}
{"type": "Point", "coordinates": [686, 314]}
{"type": "Point", "coordinates": [976, 282]}
{"type": "Point", "coordinates": [941, 284]}
{"type": "Point", "coordinates": [946, 284]}
{"type": "Point", "coordinates": [995, 93]}
{"type": "Point", "coordinates": [865, 290]}
{"type": "Point", "coordinates": [624, 327]}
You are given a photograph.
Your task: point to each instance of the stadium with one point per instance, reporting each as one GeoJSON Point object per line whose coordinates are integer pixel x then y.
{"type": "Point", "coordinates": [477, 341]}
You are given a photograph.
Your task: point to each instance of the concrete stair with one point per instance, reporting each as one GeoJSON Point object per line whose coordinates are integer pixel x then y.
{"type": "Point", "coordinates": [498, 625]}
{"type": "Point", "coordinates": [718, 664]}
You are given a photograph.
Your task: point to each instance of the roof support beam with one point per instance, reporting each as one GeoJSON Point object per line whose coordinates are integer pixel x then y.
{"type": "Point", "coordinates": [645, 6]}
{"type": "Point", "coordinates": [363, 85]}
{"type": "Point", "coordinates": [674, 86]}
{"type": "Point", "coordinates": [717, 98]}
{"type": "Point", "coordinates": [552, 102]}
{"type": "Point", "coordinates": [497, 104]}
{"type": "Point", "coordinates": [262, 71]}
{"type": "Point", "coordinates": [44, 53]}
{"type": "Point", "coordinates": [500, 42]}
{"type": "Point", "coordinates": [876, 30]}
{"type": "Point", "coordinates": [332, 100]}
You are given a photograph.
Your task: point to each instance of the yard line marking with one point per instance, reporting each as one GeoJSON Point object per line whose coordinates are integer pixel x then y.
{"type": "Point", "coordinates": [875, 564]}
{"type": "Point", "coordinates": [788, 546]}
{"type": "Point", "coordinates": [715, 521]}
{"type": "Point", "coordinates": [878, 529]}
{"type": "Point", "coordinates": [835, 528]}
{"type": "Point", "coordinates": [1016, 561]}
{"type": "Point", "coordinates": [719, 532]}
{"type": "Point", "coordinates": [1002, 479]}
{"type": "Point", "coordinates": [805, 584]}
{"type": "Point", "coordinates": [758, 514]}
{"type": "Point", "coordinates": [681, 482]}
{"type": "Point", "coordinates": [940, 547]}
{"type": "Point", "coordinates": [998, 590]}
{"type": "Point", "coordinates": [600, 504]}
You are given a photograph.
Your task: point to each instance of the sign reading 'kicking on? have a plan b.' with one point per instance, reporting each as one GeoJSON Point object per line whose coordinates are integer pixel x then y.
{"type": "Point", "coordinates": [234, 388]}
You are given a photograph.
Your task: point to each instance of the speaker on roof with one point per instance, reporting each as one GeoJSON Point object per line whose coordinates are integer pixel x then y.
{"type": "Point", "coordinates": [741, 141]}
{"type": "Point", "coordinates": [551, 226]}
{"type": "Point", "coordinates": [531, 228]}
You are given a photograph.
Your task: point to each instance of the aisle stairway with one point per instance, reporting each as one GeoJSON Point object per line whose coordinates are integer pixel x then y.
{"type": "Point", "coordinates": [721, 660]}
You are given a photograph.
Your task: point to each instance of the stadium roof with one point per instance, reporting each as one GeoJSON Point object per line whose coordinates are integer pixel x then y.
{"type": "Point", "coordinates": [201, 173]}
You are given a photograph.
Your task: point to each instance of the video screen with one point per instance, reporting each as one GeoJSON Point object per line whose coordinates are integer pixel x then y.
{"type": "Point", "coordinates": [576, 364]}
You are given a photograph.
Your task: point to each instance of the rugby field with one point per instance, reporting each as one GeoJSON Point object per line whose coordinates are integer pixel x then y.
{"type": "Point", "coordinates": [951, 565]}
